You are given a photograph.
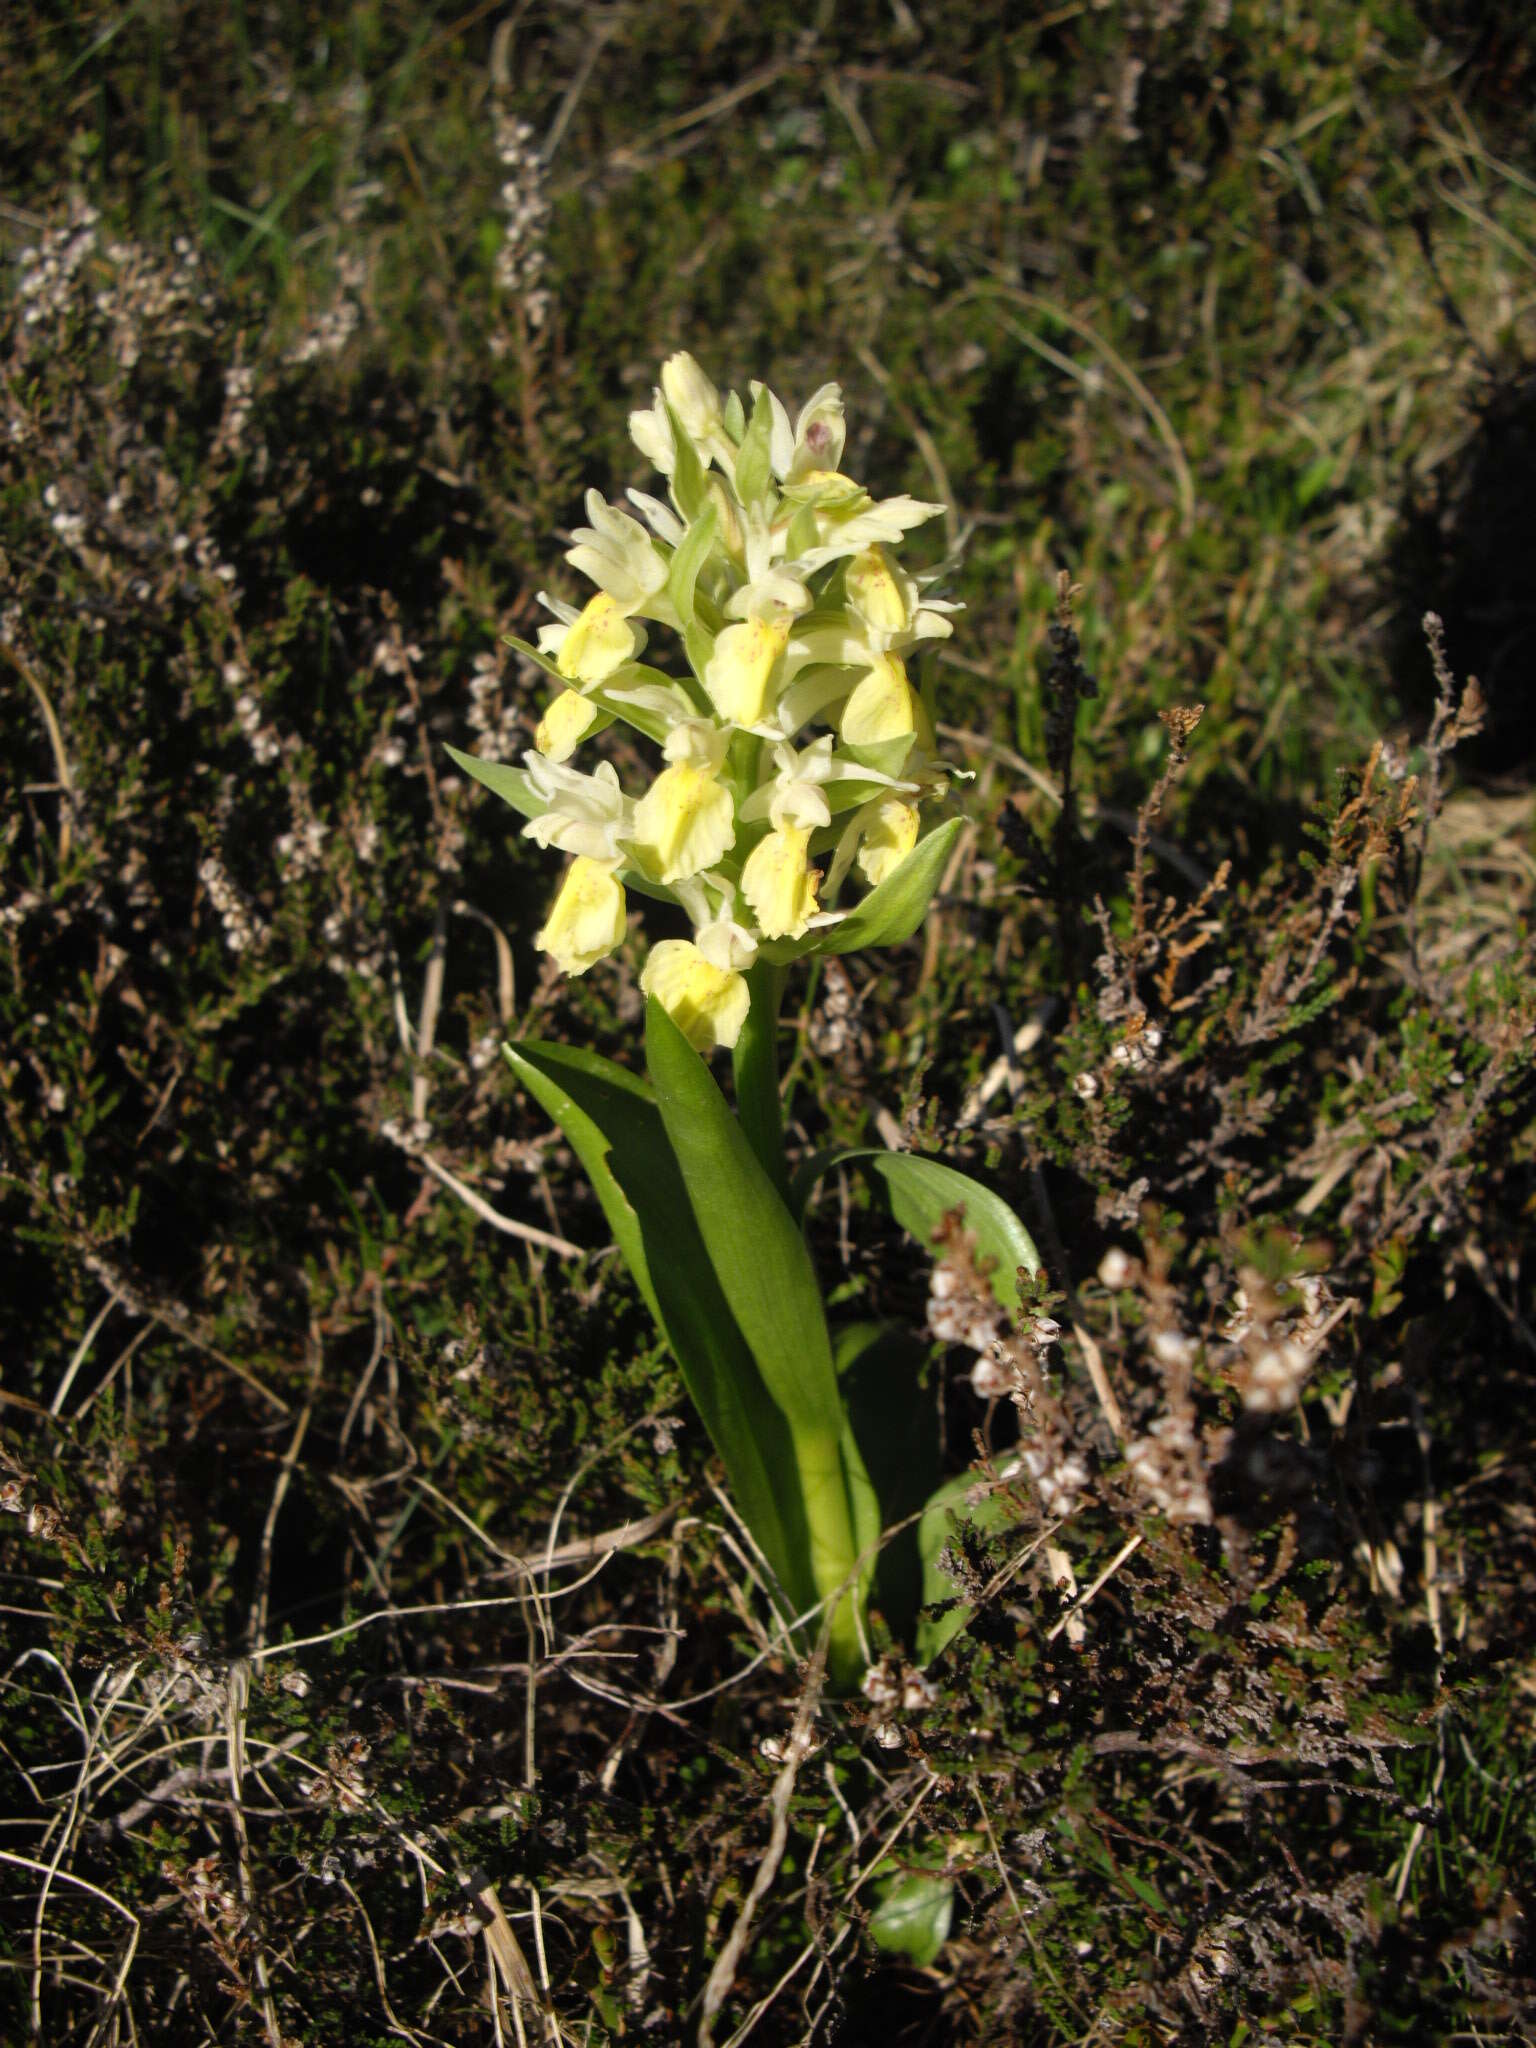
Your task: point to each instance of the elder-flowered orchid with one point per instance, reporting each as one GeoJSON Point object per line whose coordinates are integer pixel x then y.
{"type": "Point", "coordinates": [784, 818]}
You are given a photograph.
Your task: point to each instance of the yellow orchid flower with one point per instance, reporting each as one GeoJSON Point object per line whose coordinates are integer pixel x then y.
{"type": "Point", "coordinates": [738, 672]}
{"type": "Point", "coordinates": [889, 837]}
{"type": "Point", "coordinates": [883, 705]}
{"type": "Point", "coordinates": [684, 822]}
{"type": "Point", "coordinates": [601, 640]}
{"type": "Point", "coordinates": [586, 920]}
{"type": "Point", "coordinates": [708, 1004]}
{"type": "Point", "coordinates": [566, 722]}
{"type": "Point", "coordinates": [779, 884]}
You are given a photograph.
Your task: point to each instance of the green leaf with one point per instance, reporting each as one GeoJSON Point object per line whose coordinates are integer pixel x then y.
{"type": "Point", "coordinates": [501, 779]}
{"type": "Point", "coordinates": [692, 554]}
{"type": "Point", "coordinates": [880, 1369]}
{"type": "Point", "coordinates": [754, 1243]}
{"type": "Point", "coordinates": [754, 466]}
{"type": "Point", "coordinates": [765, 1274]}
{"type": "Point", "coordinates": [687, 471]}
{"type": "Point", "coordinates": [610, 1118]}
{"type": "Point", "coordinates": [922, 1193]}
{"type": "Point", "coordinates": [913, 1918]}
{"type": "Point", "coordinates": [803, 533]}
{"type": "Point", "coordinates": [734, 417]}
{"type": "Point", "coordinates": [935, 1532]}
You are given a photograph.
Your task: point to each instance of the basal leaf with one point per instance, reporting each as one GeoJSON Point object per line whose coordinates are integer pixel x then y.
{"type": "Point", "coordinates": [922, 1192]}
{"type": "Point", "coordinates": [913, 1918]}
{"type": "Point", "coordinates": [755, 1245]}
{"type": "Point", "coordinates": [611, 1120]}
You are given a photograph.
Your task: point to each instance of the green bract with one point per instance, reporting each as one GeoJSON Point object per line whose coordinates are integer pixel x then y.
{"type": "Point", "coordinates": [785, 819]}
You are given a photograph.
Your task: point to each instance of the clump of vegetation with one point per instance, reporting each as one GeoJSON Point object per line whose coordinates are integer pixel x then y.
{"type": "Point", "coordinates": [385, 1657]}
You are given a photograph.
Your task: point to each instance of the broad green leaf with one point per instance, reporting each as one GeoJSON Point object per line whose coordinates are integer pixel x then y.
{"type": "Point", "coordinates": [880, 1368]}
{"type": "Point", "coordinates": [913, 1918]}
{"type": "Point", "coordinates": [610, 1118]}
{"type": "Point", "coordinates": [755, 1063]}
{"type": "Point", "coordinates": [765, 1273]}
{"type": "Point", "coordinates": [758, 1253]}
{"type": "Point", "coordinates": [692, 554]}
{"type": "Point", "coordinates": [922, 1192]}
{"type": "Point", "coordinates": [734, 417]}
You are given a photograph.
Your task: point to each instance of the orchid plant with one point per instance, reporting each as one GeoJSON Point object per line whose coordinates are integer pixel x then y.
{"type": "Point", "coordinates": [798, 763]}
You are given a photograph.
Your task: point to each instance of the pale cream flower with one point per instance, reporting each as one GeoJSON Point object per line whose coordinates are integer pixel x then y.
{"type": "Point", "coordinates": [586, 920]}
{"type": "Point", "coordinates": [651, 433]}
{"type": "Point", "coordinates": [691, 396]}
{"type": "Point", "coordinates": [708, 1004]}
{"type": "Point", "coordinates": [620, 557]}
{"type": "Point", "coordinates": [585, 814]}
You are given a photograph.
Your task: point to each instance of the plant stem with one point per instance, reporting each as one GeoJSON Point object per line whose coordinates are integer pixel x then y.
{"type": "Point", "coordinates": [834, 1549]}
{"type": "Point", "coordinates": [757, 1073]}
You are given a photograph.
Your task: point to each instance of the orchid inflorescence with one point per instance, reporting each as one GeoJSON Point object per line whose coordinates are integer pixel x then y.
{"type": "Point", "coordinates": [777, 571]}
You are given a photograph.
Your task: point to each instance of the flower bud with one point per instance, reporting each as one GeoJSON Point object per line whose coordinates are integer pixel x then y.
{"type": "Point", "coordinates": [691, 396]}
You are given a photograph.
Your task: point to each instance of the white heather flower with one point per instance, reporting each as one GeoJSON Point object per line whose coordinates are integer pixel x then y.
{"type": "Point", "coordinates": [1173, 1349]}
{"type": "Point", "coordinates": [1275, 1378]}
{"type": "Point", "coordinates": [991, 1378]}
{"type": "Point", "coordinates": [1115, 1267]}
{"type": "Point", "coordinates": [1085, 1085]}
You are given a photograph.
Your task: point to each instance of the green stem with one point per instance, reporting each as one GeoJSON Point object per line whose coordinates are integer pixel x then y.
{"type": "Point", "coordinates": [834, 1549]}
{"type": "Point", "coordinates": [757, 1074]}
